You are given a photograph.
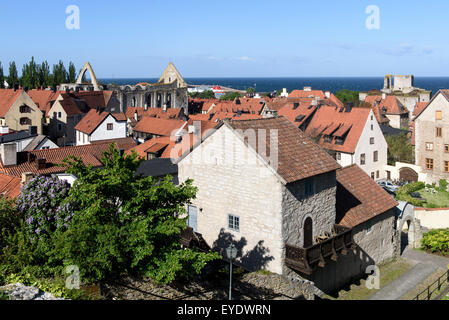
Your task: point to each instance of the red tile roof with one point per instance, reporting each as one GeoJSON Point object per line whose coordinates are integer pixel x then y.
{"type": "Point", "coordinates": [7, 99]}
{"type": "Point", "coordinates": [170, 113]}
{"type": "Point", "coordinates": [324, 119]}
{"type": "Point", "coordinates": [93, 119]}
{"type": "Point", "coordinates": [390, 104]}
{"type": "Point", "coordinates": [359, 198]}
{"type": "Point", "coordinates": [166, 144]}
{"type": "Point", "coordinates": [9, 186]}
{"type": "Point", "coordinates": [90, 154]}
{"type": "Point", "coordinates": [419, 107]}
{"type": "Point", "coordinates": [44, 98]}
{"type": "Point", "coordinates": [298, 156]}
{"type": "Point", "coordinates": [157, 126]}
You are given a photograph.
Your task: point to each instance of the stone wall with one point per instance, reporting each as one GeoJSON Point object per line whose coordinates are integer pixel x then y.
{"type": "Point", "coordinates": [425, 127]}
{"type": "Point", "coordinates": [373, 247]}
{"type": "Point", "coordinates": [231, 180]}
{"type": "Point", "coordinates": [296, 207]}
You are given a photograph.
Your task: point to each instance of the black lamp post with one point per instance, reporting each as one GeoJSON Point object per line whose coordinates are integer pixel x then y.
{"type": "Point", "coordinates": [231, 253]}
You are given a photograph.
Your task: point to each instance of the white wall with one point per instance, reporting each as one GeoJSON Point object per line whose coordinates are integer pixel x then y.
{"type": "Point", "coordinates": [364, 146]}
{"type": "Point", "coordinates": [433, 218]}
{"type": "Point", "coordinates": [101, 132]}
{"type": "Point", "coordinates": [81, 138]}
{"type": "Point", "coordinates": [46, 144]}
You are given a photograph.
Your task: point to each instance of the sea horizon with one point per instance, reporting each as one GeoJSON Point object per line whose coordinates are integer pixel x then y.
{"type": "Point", "coordinates": [271, 84]}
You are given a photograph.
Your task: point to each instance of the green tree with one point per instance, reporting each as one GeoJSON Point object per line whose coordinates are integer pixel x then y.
{"type": "Point", "coordinates": [30, 77]}
{"type": "Point", "coordinates": [127, 224]}
{"type": "Point", "coordinates": [250, 90]}
{"type": "Point", "coordinates": [44, 75]}
{"type": "Point", "coordinates": [71, 73]}
{"type": "Point", "coordinates": [13, 78]}
{"type": "Point", "coordinates": [400, 149]}
{"type": "Point", "coordinates": [207, 94]}
{"type": "Point", "coordinates": [59, 74]}
{"type": "Point", "coordinates": [230, 96]}
{"type": "Point", "coordinates": [346, 96]}
{"type": "Point", "coordinates": [10, 219]}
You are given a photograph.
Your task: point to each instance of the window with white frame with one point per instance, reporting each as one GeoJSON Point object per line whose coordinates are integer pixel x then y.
{"type": "Point", "coordinates": [233, 222]}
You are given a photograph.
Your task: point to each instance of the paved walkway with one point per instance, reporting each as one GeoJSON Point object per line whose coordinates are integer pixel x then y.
{"type": "Point", "coordinates": [423, 266]}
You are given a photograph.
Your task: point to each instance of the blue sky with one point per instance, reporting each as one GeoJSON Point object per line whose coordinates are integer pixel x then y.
{"type": "Point", "coordinates": [285, 38]}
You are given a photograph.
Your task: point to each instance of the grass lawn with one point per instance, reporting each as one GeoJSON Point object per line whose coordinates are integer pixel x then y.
{"type": "Point", "coordinates": [358, 291]}
{"type": "Point", "coordinates": [438, 200]}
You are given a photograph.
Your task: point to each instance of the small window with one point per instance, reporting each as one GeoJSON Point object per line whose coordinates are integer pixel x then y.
{"type": "Point", "coordinates": [377, 174]}
{"type": "Point", "coordinates": [25, 109]}
{"type": "Point", "coordinates": [371, 140]}
{"type": "Point", "coordinates": [309, 188]}
{"type": "Point", "coordinates": [429, 164]}
{"type": "Point", "coordinates": [446, 166]}
{"type": "Point", "coordinates": [429, 146]}
{"type": "Point", "coordinates": [59, 114]}
{"type": "Point", "coordinates": [375, 156]}
{"type": "Point", "coordinates": [372, 175]}
{"type": "Point", "coordinates": [233, 222]}
{"type": "Point", "coordinates": [59, 127]}
{"type": "Point", "coordinates": [25, 121]}
{"type": "Point", "coordinates": [55, 114]}
{"type": "Point", "coordinates": [338, 156]}
{"type": "Point", "coordinates": [446, 148]}
{"type": "Point", "coordinates": [372, 127]}
{"type": "Point", "coordinates": [362, 159]}
{"type": "Point", "coordinates": [110, 126]}
{"type": "Point", "coordinates": [438, 132]}
{"type": "Point", "coordinates": [438, 115]}
{"type": "Point", "coordinates": [371, 117]}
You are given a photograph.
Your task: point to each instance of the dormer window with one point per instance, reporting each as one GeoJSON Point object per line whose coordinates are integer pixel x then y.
{"type": "Point", "coordinates": [25, 109]}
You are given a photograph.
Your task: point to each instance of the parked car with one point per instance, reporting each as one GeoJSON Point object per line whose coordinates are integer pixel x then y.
{"type": "Point", "coordinates": [388, 186]}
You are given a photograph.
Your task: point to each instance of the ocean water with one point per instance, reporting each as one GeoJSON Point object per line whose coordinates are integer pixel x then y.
{"type": "Point", "coordinates": [332, 84]}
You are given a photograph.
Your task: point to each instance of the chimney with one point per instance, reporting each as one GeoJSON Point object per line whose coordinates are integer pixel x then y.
{"type": "Point", "coordinates": [165, 108]}
{"type": "Point", "coordinates": [8, 152]}
{"type": "Point", "coordinates": [145, 107]}
{"type": "Point", "coordinates": [384, 95]}
{"type": "Point", "coordinates": [33, 130]}
{"type": "Point", "coordinates": [327, 94]}
{"type": "Point", "coordinates": [26, 177]}
{"type": "Point", "coordinates": [136, 116]}
{"type": "Point", "coordinates": [41, 163]}
{"type": "Point", "coordinates": [4, 129]}
{"type": "Point", "coordinates": [314, 102]}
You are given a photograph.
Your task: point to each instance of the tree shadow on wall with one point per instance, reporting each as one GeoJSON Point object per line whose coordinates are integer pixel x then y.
{"type": "Point", "coordinates": [253, 260]}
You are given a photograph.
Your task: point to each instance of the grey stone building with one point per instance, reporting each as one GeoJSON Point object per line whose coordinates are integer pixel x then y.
{"type": "Point", "coordinates": [286, 204]}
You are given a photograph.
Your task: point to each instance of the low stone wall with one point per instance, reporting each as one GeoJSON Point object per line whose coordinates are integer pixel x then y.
{"type": "Point", "coordinates": [18, 291]}
{"type": "Point", "coordinates": [433, 218]}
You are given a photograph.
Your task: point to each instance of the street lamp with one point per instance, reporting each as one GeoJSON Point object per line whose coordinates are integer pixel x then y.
{"type": "Point", "coordinates": [231, 253]}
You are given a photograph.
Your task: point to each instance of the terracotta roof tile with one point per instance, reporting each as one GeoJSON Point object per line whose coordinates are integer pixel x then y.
{"type": "Point", "coordinates": [9, 186]}
{"type": "Point", "coordinates": [359, 198]}
{"type": "Point", "coordinates": [90, 154]}
{"type": "Point", "coordinates": [298, 156]}
{"type": "Point", "coordinates": [7, 99]}
{"type": "Point", "coordinates": [157, 126]}
{"type": "Point", "coordinates": [93, 119]}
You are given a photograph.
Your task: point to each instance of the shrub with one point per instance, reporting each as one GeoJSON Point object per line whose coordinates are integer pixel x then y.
{"type": "Point", "coordinates": [443, 184]}
{"type": "Point", "coordinates": [436, 241]}
{"type": "Point", "coordinates": [10, 219]}
{"type": "Point", "coordinates": [403, 193]}
{"type": "Point", "coordinates": [41, 205]}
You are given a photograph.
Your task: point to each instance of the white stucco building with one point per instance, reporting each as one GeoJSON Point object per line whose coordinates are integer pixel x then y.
{"type": "Point", "coordinates": [100, 125]}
